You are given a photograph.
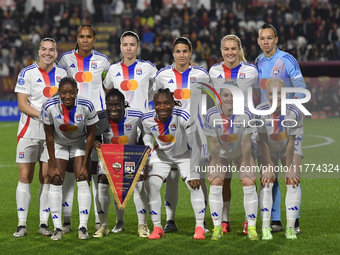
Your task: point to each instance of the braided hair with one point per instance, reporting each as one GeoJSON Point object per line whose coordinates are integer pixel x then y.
{"type": "Point", "coordinates": [115, 92]}
{"type": "Point", "coordinates": [167, 91]}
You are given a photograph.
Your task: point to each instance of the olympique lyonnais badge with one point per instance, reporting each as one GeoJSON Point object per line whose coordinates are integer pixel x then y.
{"type": "Point", "coordinates": [123, 165]}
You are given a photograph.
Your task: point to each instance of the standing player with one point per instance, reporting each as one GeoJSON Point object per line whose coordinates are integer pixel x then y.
{"type": "Point", "coordinates": [274, 63]}
{"type": "Point", "coordinates": [69, 121]}
{"type": "Point", "coordinates": [133, 77]}
{"type": "Point", "coordinates": [118, 125]}
{"type": "Point", "coordinates": [277, 138]}
{"type": "Point", "coordinates": [86, 66]}
{"type": "Point", "coordinates": [35, 84]}
{"type": "Point", "coordinates": [234, 67]}
{"type": "Point", "coordinates": [173, 131]}
{"type": "Point", "coordinates": [230, 141]}
{"type": "Point", "coordinates": [185, 81]}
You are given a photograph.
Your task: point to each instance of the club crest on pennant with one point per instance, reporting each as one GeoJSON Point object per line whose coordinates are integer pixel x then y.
{"type": "Point", "coordinates": [116, 167]}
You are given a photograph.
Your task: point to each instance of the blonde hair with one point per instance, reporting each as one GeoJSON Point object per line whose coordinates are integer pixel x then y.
{"type": "Point", "coordinates": [236, 39]}
{"type": "Point", "coordinates": [276, 81]}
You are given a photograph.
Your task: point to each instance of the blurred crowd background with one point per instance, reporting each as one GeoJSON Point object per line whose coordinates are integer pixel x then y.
{"type": "Point", "coordinates": [307, 29]}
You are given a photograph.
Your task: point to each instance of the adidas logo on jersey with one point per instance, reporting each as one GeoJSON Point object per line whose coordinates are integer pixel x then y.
{"type": "Point", "coordinates": [107, 130]}
{"type": "Point", "coordinates": [72, 66]}
{"type": "Point", "coordinates": [171, 81]}
{"type": "Point", "coordinates": [220, 76]}
{"type": "Point", "coordinates": [58, 116]}
{"type": "Point", "coordinates": [39, 80]}
{"type": "Point", "coordinates": [118, 74]}
{"type": "Point", "coordinates": [154, 129]}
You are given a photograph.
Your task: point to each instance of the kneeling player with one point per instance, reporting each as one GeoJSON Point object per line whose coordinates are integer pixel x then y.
{"type": "Point", "coordinates": [69, 120]}
{"type": "Point", "coordinates": [119, 125]}
{"type": "Point", "coordinates": [277, 134]}
{"type": "Point", "coordinates": [172, 128]}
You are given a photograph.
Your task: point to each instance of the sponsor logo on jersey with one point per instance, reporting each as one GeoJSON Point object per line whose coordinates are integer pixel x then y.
{"type": "Point", "coordinates": [21, 154]}
{"type": "Point", "coordinates": [130, 167]}
{"type": "Point", "coordinates": [139, 71]}
{"type": "Point", "coordinates": [72, 66]}
{"type": "Point", "coordinates": [39, 80]}
{"type": "Point", "coordinates": [242, 75]}
{"type": "Point", "coordinates": [79, 117]}
{"type": "Point", "coordinates": [116, 167]}
{"type": "Point", "coordinates": [21, 81]}
{"type": "Point", "coordinates": [220, 76]}
{"type": "Point", "coordinates": [94, 65]}
{"type": "Point", "coordinates": [192, 79]}
{"type": "Point", "coordinates": [128, 127]}
{"type": "Point", "coordinates": [276, 70]}
{"type": "Point", "coordinates": [58, 116]}
{"type": "Point", "coordinates": [173, 127]}
{"type": "Point", "coordinates": [58, 78]}
{"type": "Point", "coordinates": [171, 81]}
{"type": "Point", "coordinates": [118, 74]}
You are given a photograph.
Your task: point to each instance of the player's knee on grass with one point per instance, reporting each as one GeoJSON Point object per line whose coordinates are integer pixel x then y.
{"type": "Point", "coordinates": [103, 179]}
{"type": "Point", "coordinates": [57, 180]}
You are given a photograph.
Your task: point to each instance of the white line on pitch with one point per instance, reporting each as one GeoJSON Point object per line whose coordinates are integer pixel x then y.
{"type": "Point", "coordinates": [8, 125]}
{"type": "Point", "coordinates": [328, 141]}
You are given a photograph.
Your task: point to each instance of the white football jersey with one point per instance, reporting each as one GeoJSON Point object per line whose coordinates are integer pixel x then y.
{"type": "Point", "coordinates": [123, 132]}
{"type": "Point", "coordinates": [172, 135]}
{"type": "Point", "coordinates": [228, 131]}
{"type": "Point", "coordinates": [279, 128]}
{"type": "Point", "coordinates": [39, 85]}
{"type": "Point", "coordinates": [69, 126]}
{"type": "Point", "coordinates": [133, 81]}
{"type": "Point", "coordinates": [187, 87]}
{"type": "Point", "coordinates": [245, 75]}
{"type": "Point", "coordinates": [88, 74]}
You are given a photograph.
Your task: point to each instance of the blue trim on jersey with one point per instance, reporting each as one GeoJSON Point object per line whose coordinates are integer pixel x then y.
{"type": "Point", "coordinates": [148, 115]}
{"type": "Point", "coordinates": [101, 102]}
{"type": "Point", "coordinates": [131, 69]}
{"type": "Point", "coordinates": [292, 60]}
{"type": "Point", "coordinates": [102, 115]}
{"type": "Point", "coordinates": [133, 113]}
{"type": "Point", "coordinates": [71, 114]}
{"type": "Point", "coordinates": [163, 69]}
{"type": "Point", "coordinates": [295, 111]}
{"type": "Point", "coordinates": [179, 111]}
{"type": "Point", "coordinates": [87, 62]}
{"type": "Point", "coordinates": [120, 126]}
{"type": "Point", "coordinates": [234, 72]}
{"type": "Point", "coordinates": [200, 68]}
{"type": "Point", "coordinates": [51, 76]}
{"type": "Point", "coordinates": [166, 126]}
{"type": "Point", "coordinates": [246, 111]}
{"type": "Point", "coordinates": [210, 112]}
{"type": "Point", "coordinates": [101, 54]}
{"type": "Point", "coordinates": [145, 61]}
{"type": "Point", "coordinates": [51, 102]}
{"type": "Point", "coordinates": [25, 69]}
{"type": "Point", "coordinates": [86, 103]}
{"type": "Point", "coordinates": [66, 53]}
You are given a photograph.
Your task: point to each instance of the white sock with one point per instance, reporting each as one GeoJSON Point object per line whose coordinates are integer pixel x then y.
{"type": "Point", "coordinates": [266, 203]}
{"type": "Point", "coordinates": [205, 191]}
{"type": "Point", "coordinates": [55, 195]}
{"type": "Point", "coordinates": [226, 211]}
{"type": "Point", "coordinates": [104, 202]}
{"type": "Point", "coordinates": [44, 205]}
{"type": "Point", "coordinates": [216, 203]}
{"type": "Point", "coordinates": [23, 197]}
{"type": "Point", "coordinates": [293, 201]}
{"type": "Point", "coordinates": [154, 184]}
{"type": "Point", "coordinates": [250, 201]}
{"type": "Point", "coordinates": [141, 202]}
{"type": "Point", "coordinates": [171, 194]}
{"type": "Point", "coordinates": [84, 202]}
{"type": "Point", "coordinates": [94, 178]}
{"type": "Point", "coordinates": [119, 212]}
{"type": "Point", "coordinates": [198, 205]}
{"type": "Point", "coordinates": [68, 193]}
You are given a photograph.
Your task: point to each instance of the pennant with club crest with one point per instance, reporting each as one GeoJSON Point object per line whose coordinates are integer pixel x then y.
{"type": "Point", "coordinates": [123, 165]}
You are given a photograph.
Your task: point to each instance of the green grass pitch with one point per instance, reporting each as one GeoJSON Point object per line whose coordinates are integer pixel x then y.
{"type": "Point", "coordinates": [319, 215]}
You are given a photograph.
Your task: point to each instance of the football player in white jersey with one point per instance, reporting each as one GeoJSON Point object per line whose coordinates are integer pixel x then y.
{"type": "Point", "coordinates": [234, 67]}
{"type": "Point", "coordinates": [86, 66]}
{"type": "Point", "coordinates": [173, 131]}
{"type": "Point", "coordinates": [35, 84]}
{"type": "Point", "coordinates": [119, 125]}
{"type": "Point", "coordinates": [69, 120]}
{"type": "Point", "coordinates": [230, 141]}
{"type": "Point", "coordinates": [186, 82]}
{"type": "Point", "coordinates": [277, 136]}
{"type": "Point", "coordinates": [134, 78]}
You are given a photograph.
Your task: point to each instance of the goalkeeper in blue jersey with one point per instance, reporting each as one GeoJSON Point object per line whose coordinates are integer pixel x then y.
{"type": "Point", "coordinates": [274, 63]}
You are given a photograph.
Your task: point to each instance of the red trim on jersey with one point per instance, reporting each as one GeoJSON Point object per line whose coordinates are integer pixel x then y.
{"type": "Point", "coordinates": [125, 69]}
{"type": "Point", "coordinates": [24, 129]}
{"type": "Point", "coordinates": [276, 124]}
{"type": "Point", "coordinates": [225, 125]}
{"type": "Point", "coordinates": [160, 126]}
{"type": "Point", "coordinates": [66, 114]}
{"type": "Point", "coordinates": [114, 127]}
{"type": "Point", "coordinates": [178, 78]}
{"type": "Point", "coordinates": [80, 62]}
{"type": "Point", "coordinates": [227, 72]}
{"type": "Point", "coordinates": [45, 77]}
